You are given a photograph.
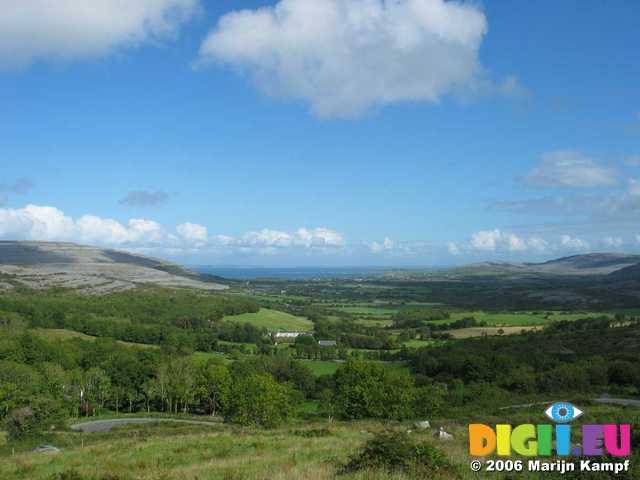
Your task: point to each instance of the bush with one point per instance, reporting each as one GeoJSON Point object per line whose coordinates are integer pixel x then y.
{"type": "Point", "coordinates": [398, 452]}
{"type": "Point", "coordinates": [35, 419]}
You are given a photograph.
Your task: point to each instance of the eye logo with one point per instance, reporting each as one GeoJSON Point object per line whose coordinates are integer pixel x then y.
{"type": "Point", "coordinates": [563, 412]}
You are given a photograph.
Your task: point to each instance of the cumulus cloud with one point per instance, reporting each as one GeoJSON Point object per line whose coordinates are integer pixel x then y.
{"type": "Point", "coordinates": [303, 237]}
{"type": "Point", "coordinates": [387, 244]}
{"type": "Point", "coordinates": [573, 243]}
{"type": "Point", "coordinates": [497, 240]}
{"type": "Point", "coordinates": [346, 56]}
{"type": "Point", "coordinates": [571, 169]}
{"type": "Point", "coordinates": [35, 222]}
{"type": "Point", "coordinates": [192, 232]}
{"type": "Point", "coordinates": [453, 248]}
{"type": "Point", "coordinates": [74, 29]}
{"type": "Point", "coordinates": [141, 198]}
{"type": "Point", "coordinates": [612, 242]}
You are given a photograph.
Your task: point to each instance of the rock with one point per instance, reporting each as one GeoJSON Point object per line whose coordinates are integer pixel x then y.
{"type": "Point", "coordinates": [46, 449]}
{"type": "Point", "coordinates": [423, 425]}
{"type": "Point", "coordinates": [442, 435]}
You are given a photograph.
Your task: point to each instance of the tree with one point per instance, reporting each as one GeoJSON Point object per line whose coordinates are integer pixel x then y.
{"type": "Point", "coordinates": [181, 375]}
{"type": "Point", "coordinates": [96, 388]}
{"type": "Point", "coordinates": [257, 400]}
{"type": "Point", "coordinates": [367, 389]}
{"type": "Point", "coordinates": [213, 386]}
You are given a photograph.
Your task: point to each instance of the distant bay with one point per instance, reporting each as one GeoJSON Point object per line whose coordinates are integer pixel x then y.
{"type": "Point", "coordinates": [289, 273]}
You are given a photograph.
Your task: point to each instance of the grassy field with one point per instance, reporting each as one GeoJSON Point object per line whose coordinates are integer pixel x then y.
{"type": "Point", "coordinates": [273, 320]}
{"type": "Point", "coordinates": [319, 367]}
{"type": "Point", "coordinates": [309, 451]}
{"type": "Point", "coordinates": [481, 331]}
{"type": "Point", "coordinates": [420, 343]}
{"type": "Point", "coordinates": [521, 318]}
{"type": "Point", "coordinates": [63, 334]}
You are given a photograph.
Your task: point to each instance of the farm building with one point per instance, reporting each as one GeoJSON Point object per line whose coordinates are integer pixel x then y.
{"type": "Point", "coordinates": [292, 335]}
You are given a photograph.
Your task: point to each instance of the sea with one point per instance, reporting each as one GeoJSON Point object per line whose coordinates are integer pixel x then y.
{"type": "Point", "coordinates": [289, 273]}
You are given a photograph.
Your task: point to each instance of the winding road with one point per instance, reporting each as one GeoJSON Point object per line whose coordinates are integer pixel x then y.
{"type": "Point", "coordinates": [96, 426]}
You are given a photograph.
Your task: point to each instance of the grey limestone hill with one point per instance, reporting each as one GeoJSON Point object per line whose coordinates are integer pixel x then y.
{"type": "Point", "coordinates": [89, 269]}
{"type": "Point", "coordinates": [576, 265]}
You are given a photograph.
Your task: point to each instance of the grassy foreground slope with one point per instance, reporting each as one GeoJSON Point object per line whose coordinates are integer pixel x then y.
{"type": "Point", "coordinates": [273, 320]}
{"type": "Point", "coordinates": [313, 451]}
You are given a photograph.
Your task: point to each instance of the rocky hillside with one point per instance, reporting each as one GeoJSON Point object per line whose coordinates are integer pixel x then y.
{"type": "Point", "coordinates": [90, 269]}
{"type": "Point", "coordinates": [588, 264]}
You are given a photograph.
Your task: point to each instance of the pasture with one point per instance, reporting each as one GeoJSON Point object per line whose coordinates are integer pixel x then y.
{"type": "Point", "coordinates": [273, 320]}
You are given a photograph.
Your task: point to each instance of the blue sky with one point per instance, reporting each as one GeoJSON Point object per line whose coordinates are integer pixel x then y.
{"type": "Point", "coordinates": [413, 132]}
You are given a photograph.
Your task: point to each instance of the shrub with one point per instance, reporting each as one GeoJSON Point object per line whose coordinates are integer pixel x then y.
{"type": "Point", "coordinates": [398, 452]}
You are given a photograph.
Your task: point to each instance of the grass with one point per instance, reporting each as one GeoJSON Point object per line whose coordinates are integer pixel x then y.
{"type": "Point", "coordinates": [62, 334]}
{"type": "Point", "coordinates": [521, 318]}
{"type": "Point", "coordinates": [273, 320]}
{"type": "Point", "coordinates": [311, 450]}
{"type": "Point", "coordinates": [481, 331]}
{"type": "Point", "coordinates": [172, 451]}
{"type": "Point", "coordinates": [320, 367]}
{"type": "Point", "coordinates": [420, 343]}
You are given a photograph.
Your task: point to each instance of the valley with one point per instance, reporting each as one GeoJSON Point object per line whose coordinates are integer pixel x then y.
{"type": "Point", "coordinates": [361, 356]}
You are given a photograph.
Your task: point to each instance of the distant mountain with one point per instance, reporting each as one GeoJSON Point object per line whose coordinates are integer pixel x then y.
{"type": "Point", "coordinates": [627, 273]}
{"type": "Point", "coordinates": [588, 264]}
{"type": "Point", "coordinates": [90, 269]}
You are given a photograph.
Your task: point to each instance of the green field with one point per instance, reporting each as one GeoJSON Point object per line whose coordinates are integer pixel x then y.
{"type": "Point", "coordinates": [273, 320]}
{"type": "Point", "coordinates": [319, 367]}
{"type": "Point", "coordinates": [520, 318]}
{"type": "Point", "coordinates": [62, 334]}
{"type": "Point", "coordinates": [420, 343]}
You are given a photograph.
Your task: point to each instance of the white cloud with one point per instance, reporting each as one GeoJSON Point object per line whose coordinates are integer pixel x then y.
{"type": "Point", "coordinates": [75, 29]}
{"type": "Point", "coordinates": [346, 56]}
{"type": "Point", "coordinates": [319, 237]}
{"type": "Point", "coordinates": [453, 248]}
{"type": "Point", "coordinates": [303, 237]}
{"type": "Point", "coordinates": [498, 240]}
{"type": "Point", "coordinates": [571, 168]}
{"type": "Point", "coordinates": [267, 238]}
{"type": "Point", "coordinates": [486, 240]}
{"type": "Point", "coordinates": [48, 223]}
{"type": "Point", "coordinates": [613, 242]}
{"type": "Point", "coordinates": [638, 239]}
{"type": "Point", "coordinates": [573, 243]}
{"type": "Point", "coordinates": [192, 232]}
{"type": "Point", "coordinates": [387, 244]}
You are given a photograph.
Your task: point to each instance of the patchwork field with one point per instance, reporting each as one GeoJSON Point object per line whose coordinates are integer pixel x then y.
{"type": "Point", "coordinates": [273, 320]}
{"type": "Point", "coordinates": [521, 318]}
{"type": "Point", "coordinates": [481, 331]}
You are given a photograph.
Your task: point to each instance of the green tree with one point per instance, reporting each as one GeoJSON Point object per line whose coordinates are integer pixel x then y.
{"type": "Point", "coordinates": [213, 386]}
{"type": "Point", "coordinates": [371, 390]}
{"type": "Point", "coordinates": [258, 400]}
